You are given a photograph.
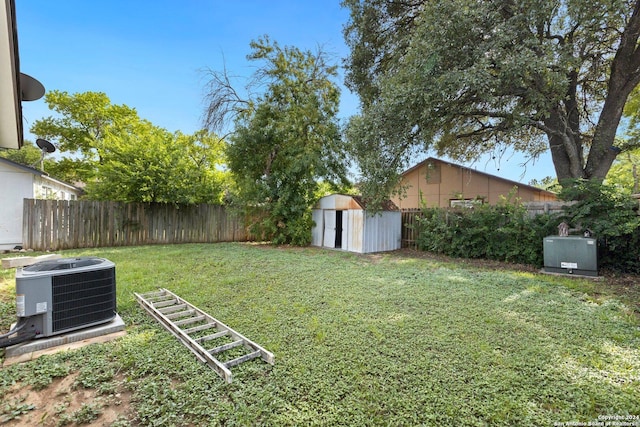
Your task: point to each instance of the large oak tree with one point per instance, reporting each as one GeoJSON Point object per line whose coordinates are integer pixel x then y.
{"type": "Point", "coordinates": [474, 77]}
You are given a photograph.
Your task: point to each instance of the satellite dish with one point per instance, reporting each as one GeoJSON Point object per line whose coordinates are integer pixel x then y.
{"type": "Point", "coordinates": [45, 145]}
{"type": "Point", "coordinates": [30, 88]}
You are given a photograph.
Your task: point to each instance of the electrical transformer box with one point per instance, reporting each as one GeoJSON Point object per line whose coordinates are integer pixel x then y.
{"type": "Point", "coordinates": [571, 255]}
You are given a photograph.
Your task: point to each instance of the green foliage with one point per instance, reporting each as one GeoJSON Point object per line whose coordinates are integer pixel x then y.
{"type": "Point", "coordinates": [121, 157]}
{"type": "Point", "coordinates": [87, 413]}
{"type": "Point", "coordinates": [363, 340]}
{"type": "Point", "coordinates": [547, 183]}
{"type": "Point", "coordinates": [286, 140]}
{"type": "Point", "coordinates": [506, 232]}
{"type": "Point", "coordinates": [471, 79]}
{"type": "Point", "coordinates": [14, 409]}
{"type": "Point", "coordinates": [150, 164]}
{"type": "Point", "coordinates": [610, 214]}
{"type": "Point", "coordinates": [44, 373]}
{"type": "Point", "coordinates": [632, 114]}
{"type": "Point", "coordinates": [624, 173]}
{"type": "Point", "coordinates": [503, 232]}
{"type": "Point", "coordinates": [82, 122]}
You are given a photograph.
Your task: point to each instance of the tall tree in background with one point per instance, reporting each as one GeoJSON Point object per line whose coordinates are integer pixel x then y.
{"type": "Point", "coordinates": [121, 157]}
{"type": "Point", "coordinates": [82, 122]}
{"type": "Point", "coordinates": [154, 165]}
{"type": "Point", "coordinates": [469, 78]}
{"type": "Point", "coordinates": [285, 140]}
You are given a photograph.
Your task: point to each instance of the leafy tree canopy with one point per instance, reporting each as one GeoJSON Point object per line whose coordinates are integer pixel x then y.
{"type": "Point", "coordinates": [468, 78]}
{"type": "Point", "coordinates": [154, 165]}
{"type": "Point", "coordinates": [83, 121]}
{"type": "Point", "coordinates": [286, 138]}
{"type": "Point", "coordinates": [625, 172]}
{"type": "Point", "coordinates": [121, 157]}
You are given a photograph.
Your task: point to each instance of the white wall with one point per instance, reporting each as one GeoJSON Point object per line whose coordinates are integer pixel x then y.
{"type": "Point", "coordinates": [47, 188]}
{"type": "Point", "coordinates": [382, 232]}
{"type": "Point", "coordinates": [15, 185]}
{"type": "Point", "coordinates": [318, 227]}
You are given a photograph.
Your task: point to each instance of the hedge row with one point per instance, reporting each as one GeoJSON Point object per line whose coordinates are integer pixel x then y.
{"type": "Point", "coordinates": [506, 232]}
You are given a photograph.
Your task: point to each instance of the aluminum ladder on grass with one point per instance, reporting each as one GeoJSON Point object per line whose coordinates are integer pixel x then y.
{"type": "Point", "coordinates": [185, 320]}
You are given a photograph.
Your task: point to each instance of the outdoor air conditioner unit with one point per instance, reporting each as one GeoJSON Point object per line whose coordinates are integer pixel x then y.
{"type": "Point", "coordinates": [62, 295]}
{"type": "Point", "coordinates": [571, 255]}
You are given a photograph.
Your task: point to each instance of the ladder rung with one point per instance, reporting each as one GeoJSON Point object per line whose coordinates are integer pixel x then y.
{"type": "Point", "coordinates": [189, 320]}
{"type": "Point", "coordinates": [155, 294]}
{"type": "Point", "coordinates": [173, 312]}
{"type": "Point", "coordinates": [242, 359]}
{"type": "Point", "coordinates": [172, 308]}
{"type": "Point", "coordinates": [164, 303]}
{"type": "Point", "coordinates": [180, 314]}
{"type": "Point", "coordinates": [200, 328]}
{"type": "Point", "coordinates": [226, 347]}
{"type": "Point", "coordinates": [212, 336]}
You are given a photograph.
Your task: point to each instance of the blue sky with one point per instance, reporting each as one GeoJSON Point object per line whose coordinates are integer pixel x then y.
{"type": "Point", "coordinates": [150, 55]}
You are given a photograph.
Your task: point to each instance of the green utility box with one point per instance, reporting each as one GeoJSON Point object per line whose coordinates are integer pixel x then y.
{"type": "Point", "coordinates": [571, 255]}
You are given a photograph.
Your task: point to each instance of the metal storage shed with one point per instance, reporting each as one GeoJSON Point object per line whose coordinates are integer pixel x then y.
{"type": "Point", "coordinates": [343, 222]}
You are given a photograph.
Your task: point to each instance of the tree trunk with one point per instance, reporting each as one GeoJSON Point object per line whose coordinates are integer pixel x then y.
{"type": "Point", "coordinates": [625, 76]}
{"type": "Point", "coordinates": [565, 143]}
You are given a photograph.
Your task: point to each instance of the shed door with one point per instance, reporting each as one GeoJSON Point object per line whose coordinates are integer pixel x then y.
{"type": "Point", "coordinates": [329, 228]}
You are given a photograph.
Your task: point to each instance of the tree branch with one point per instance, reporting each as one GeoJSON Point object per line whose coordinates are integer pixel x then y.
{"type": "Point", "coordinates": [224, 101]}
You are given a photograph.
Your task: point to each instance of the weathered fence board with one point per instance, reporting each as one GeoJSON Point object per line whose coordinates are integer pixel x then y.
{"type": "Point", "coordinates": [66, 224]}
{"type": "Point", "coordinates": [410, 228]}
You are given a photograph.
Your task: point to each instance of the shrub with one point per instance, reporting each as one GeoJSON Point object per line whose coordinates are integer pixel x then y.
{"type": "Point", "coordinates": [610, 216]}
{"type": "Point", "coordinates": [503, 232]}
{"type": "Point", "coordinates": [506, 232]}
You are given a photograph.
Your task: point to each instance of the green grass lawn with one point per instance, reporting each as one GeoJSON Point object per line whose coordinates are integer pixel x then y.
{"type": "Point", "coordinates": [358, 340]}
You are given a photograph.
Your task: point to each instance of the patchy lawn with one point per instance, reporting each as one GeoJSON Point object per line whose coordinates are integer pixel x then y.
{"type": "Point", "coordinates": [390, 339]}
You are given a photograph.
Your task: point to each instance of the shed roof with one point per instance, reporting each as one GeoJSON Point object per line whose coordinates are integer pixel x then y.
{"type": "Point", "coordinates": [359, 201]}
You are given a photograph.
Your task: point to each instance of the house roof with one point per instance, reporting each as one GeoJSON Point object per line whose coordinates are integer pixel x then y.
{"type": "Point", "coordinates": [38, 172]}
{"type": "Point", "coordinates": [508, 181]}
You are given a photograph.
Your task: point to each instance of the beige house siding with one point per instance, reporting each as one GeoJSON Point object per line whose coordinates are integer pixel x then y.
{"type": "Point", "coordinates": [437, 183]}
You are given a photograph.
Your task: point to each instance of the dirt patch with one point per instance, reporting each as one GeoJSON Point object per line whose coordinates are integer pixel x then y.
{"type": "Point", "coordinates": [64, 403]}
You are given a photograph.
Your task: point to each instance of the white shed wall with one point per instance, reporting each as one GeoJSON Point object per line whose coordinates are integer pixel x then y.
{"type": "Point", "coordinates": [361, 232]}
{"type": "Point", "coordinates": [354, 230]}
{"type": "Point", "coordinates": [318, 227]}
{"type": "Point", "coordinates": [382, 232]}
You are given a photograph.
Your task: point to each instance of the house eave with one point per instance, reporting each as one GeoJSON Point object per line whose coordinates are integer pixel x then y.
{"type": "Point", "coordinates": [11, 131]}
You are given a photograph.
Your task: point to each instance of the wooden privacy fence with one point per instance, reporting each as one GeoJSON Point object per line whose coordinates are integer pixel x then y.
{"type": "Point", "coordinates": [69, 224]}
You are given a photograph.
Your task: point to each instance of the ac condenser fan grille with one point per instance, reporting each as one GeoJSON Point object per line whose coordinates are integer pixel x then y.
{"type": "Point", "coordinates": [83, 298]}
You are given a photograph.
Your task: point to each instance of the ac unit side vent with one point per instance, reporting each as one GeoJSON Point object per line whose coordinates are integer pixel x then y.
{"type": "Point", "coordinates": [83, 298]}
